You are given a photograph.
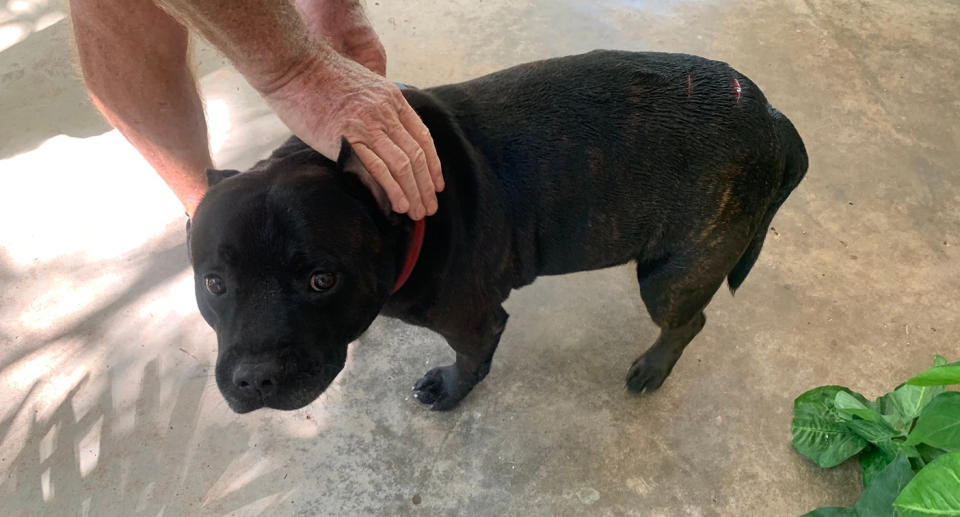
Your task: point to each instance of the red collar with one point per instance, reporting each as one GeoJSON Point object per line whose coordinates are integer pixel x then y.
{"type": "Point", "coordinates": [413, 253]}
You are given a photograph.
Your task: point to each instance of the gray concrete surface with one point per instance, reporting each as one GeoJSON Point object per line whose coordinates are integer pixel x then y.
{"type": "Point", "coordinates": [107, 404]}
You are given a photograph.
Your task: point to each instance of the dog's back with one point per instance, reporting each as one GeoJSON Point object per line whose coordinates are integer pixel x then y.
{"type": "Point", "coordinates": [610, 156]}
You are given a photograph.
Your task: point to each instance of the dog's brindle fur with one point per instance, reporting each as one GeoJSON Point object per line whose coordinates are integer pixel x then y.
{"type": "Point", "coordinates": [570, 164]}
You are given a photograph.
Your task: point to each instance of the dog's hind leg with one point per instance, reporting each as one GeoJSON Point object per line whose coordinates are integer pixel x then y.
{"type": "Point", "coordinates": [675, 293]}
{"type": "Point", "coordinates": [443, 387]}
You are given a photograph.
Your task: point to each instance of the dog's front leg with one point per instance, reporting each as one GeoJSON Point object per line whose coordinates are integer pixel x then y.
{"type": "Point", "coordinates": [443, 387]}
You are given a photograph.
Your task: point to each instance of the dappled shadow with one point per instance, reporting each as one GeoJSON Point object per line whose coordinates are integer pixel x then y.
{"type": "Point", "coordinates": [87, 463]}
{"type": "Point", "coordinates": [19, 19]}
{"type": "Point", "coordinates": [160, 267]}
{"type": "Point", "coordinates": [76, 435]}
{"type": "Point", "coordinates": [41, 87]}
{"type": "Point", "coordinates": [30, 71]}
{"type": "Point", "coordinates": [107, 401]}
{"type": "Point", "coordinates": [108, 405]}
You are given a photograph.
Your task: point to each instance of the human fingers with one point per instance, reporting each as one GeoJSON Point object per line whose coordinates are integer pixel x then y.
{"type": "Point", "coordinates": [381, 173]}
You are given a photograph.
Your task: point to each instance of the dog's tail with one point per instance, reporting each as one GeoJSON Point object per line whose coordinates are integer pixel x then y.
{"type": "Point", "coordinates": [795, 167]}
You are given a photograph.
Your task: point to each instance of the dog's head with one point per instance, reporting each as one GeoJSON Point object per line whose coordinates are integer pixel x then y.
{"type": "Point", "coordinates": [292, 261]}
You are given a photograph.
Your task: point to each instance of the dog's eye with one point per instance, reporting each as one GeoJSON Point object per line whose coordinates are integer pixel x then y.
{"type": "Point", "coordinates": [323, 281]}
{"type": "Point", "coordinates": [214, 284]}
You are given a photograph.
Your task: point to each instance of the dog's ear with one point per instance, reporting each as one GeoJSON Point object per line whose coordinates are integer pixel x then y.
{"type": "Point", "coordinates": [348, 162]}
{"type": "Point", "coordinates": [291, 146]}
{"type": "Point", "coordinates": [215, 176]}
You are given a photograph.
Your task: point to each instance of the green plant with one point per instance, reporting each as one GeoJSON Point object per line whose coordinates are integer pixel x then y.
{"type": "Point", "coordinates": [908, 443]}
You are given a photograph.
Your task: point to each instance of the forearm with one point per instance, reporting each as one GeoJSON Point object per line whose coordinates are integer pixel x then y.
{"type": "Point", "coordinates": [266, 40]}
{"type": "Point", "coordinates": [322, 96]}
{"type": "Point", "coordinates": [134, 62]}
{"type": "Point", "coordinates": [346, 28]}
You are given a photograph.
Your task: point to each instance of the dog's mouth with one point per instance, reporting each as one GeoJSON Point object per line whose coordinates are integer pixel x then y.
{"type": "Point", "coordinates": [293, 391]}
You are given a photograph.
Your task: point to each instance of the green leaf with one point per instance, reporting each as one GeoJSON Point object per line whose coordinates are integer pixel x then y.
{"type": "Point", "coordinates": [935, 490]}
{"type": "Point", "coordinates": [909, 400]}
{"type": "Point", "coordinates": [877, 499]}
{"type": "Point", "coordinates": [899, 408]}
{"type": "Point", "coordinates": [847, 405]}
{"type": "Point", "coordinates": [872, 462]}
{"type": "Point", "coordinates": [938, 376]}
{"type": "Point", "coordinates": [909, 450]}
{"type": "Point", "coordinates": [832, 511]}
{"type": "Point", "coordinates": [822, 438]}
{"type": "Point", "coordinates": [928, 453]}
{"type": "Point", "coordinates": [818, 431]}
{"type": "Point", "coordinates": [868, 424]}
{"type": "Point", "coordinates": [894, 420]}
{"type": "Point", "coordinates": [825, 395]}
{"type": "Point", "coordinates": [939, 424]}
{"type": "Point", "coordinates": [876, 433]}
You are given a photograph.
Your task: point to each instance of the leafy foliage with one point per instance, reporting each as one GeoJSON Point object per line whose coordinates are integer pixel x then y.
{"type": "Point", "coordinates": [819, 432]}
{"type": "Point", "coordinates": [908, 442]}
{"type": "Point", "coordinates": [935, 490]}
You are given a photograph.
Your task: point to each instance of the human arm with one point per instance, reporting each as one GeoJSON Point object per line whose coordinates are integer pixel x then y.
{"type": "Point", "coordinates": [321, 95]}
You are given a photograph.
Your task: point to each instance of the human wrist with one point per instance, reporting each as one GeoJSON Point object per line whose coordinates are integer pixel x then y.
{"type": "Point", "coordinates": [313, 60]}
{"type": "Point", "coordinates": [318, 73]}
{"type": "Point", "coordinates": [310, 96]}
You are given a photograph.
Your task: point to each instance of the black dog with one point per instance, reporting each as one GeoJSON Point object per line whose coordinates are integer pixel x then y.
{"type": "Point", "coordinates": [563, 165]}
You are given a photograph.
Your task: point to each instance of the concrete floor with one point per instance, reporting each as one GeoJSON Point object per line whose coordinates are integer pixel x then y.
{"type": "Point", "coordinates": [107, 404]}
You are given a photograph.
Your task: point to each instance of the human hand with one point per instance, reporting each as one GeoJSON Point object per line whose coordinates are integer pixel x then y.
{"type": "Point", "coordinates": [331, 96]}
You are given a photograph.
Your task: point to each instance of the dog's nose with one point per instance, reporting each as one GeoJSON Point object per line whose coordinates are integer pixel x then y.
{"type": "Point", "coordinates": [257, 378]}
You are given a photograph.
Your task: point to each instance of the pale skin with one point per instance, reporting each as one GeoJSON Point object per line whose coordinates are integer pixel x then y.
{"type": "Point", "coordinates": [318, 64]}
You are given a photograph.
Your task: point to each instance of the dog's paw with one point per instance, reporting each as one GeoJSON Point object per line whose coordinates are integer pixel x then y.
{"type": "Point", "coordinates": [441, 388]}
{"type": "Point", "coordinates": [647, 374]}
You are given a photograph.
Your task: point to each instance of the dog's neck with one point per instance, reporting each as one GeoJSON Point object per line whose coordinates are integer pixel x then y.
{"type": "Point", "coordinates": [414, 239]}
{"type": "Point", "coordinates": [467, 229]}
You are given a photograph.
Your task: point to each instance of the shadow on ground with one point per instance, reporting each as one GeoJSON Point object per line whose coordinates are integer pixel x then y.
{"type": "Point", "coordinates": [79, 441]}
